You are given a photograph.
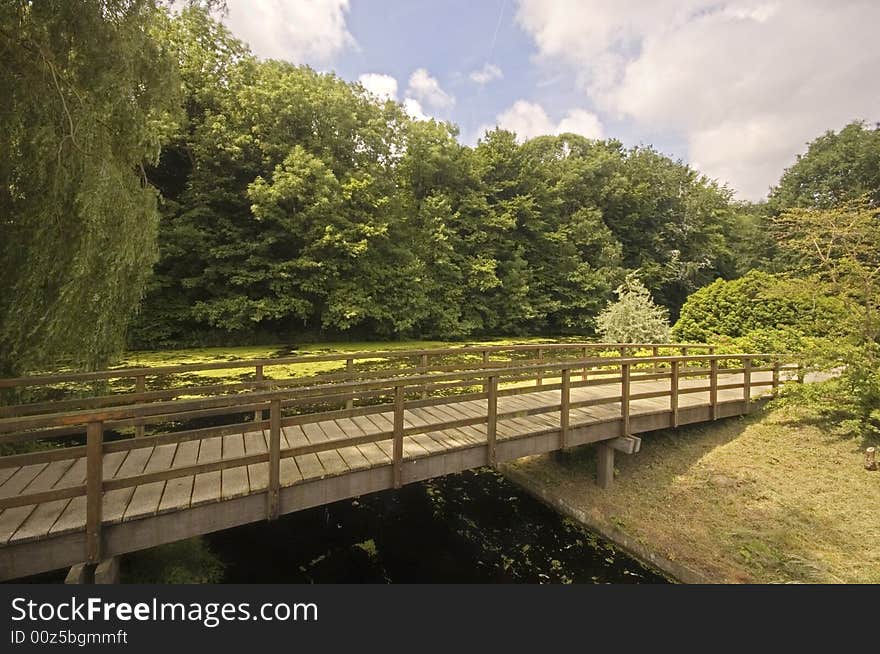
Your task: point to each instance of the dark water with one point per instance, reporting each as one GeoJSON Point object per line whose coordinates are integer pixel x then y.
{"type": "Point", "coordinates": [469, 527]}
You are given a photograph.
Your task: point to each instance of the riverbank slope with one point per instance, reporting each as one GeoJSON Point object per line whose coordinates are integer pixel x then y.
{"type": "Point", "coordinates": [771, 498]}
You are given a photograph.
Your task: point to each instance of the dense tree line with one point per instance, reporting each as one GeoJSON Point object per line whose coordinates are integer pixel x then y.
{"type": "Point", "coordinates": [295, 203]}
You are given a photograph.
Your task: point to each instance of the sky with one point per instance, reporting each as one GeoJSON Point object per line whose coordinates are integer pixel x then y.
{"type": "Point", "coordinates": [736, 88]}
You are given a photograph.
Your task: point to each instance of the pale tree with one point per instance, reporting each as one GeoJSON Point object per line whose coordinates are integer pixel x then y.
{"type": "Point", "coordinates": [633, 318]}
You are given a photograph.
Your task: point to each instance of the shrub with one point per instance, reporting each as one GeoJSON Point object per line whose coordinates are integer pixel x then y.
{"type": "Point", "coordinates": [759, 301]}
{"type": "Point", "coordinates": [633, 318]}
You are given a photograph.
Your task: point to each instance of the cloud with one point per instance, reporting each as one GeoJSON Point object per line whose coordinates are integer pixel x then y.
{"type": "Point", "coordinates": [383, 87]}
{"type": "Point", "coordinates": [528, 120]}
{"type": "Point", "coordinates": [486, 74]}
{"type": "Point", "coordinates": [426, 90]}
{"type": "Point", "coordinates": [746, 83]}
{"type": "Point", "coordinates": [414, 109]}
{"type": "Point", "coordinates": [301, 31]}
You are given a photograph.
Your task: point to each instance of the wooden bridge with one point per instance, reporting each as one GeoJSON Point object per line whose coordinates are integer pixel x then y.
{"type": "Point", "coordinates": [119, 472]}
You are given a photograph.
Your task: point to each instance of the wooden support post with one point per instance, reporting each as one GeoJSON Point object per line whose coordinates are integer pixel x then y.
{"type": "Point", "coordinates": [776, 377]}
{"type": "Point", "coordinates": [349, 370]}
{"type": "Point", "coordinates": [94, 490]}
{"type": "Point", "coordinates": [492, 422]}
{"type": "Point", "coordinates": [140, 386]}
{"type": "Point", "coordinates": [624, 398]}
{"type": "Point", "coordinates": [274, 489]}
{"type": "Point", "coordinates": [485, 364]}
{"type": "Point", "coordinates": [673, 393]}
{"type": "Point", "coordinates": [107, 571]}
{"type": "Point", "coordinates": [713, 388]}
{"type": "Point", "coordinates": [258, 376]}
{"type": "Point", "coordinates": [564, 409]}
{"type": "Point", "coordinates": [604, 465]}
{"type": "Point", "coordinates": [747, 384]}
{"type": "Point", "coordinates": [711, 350]}
{"type": "Point", "coordinates": [424, 370]}
{"type": "Point", "coordinates": [799, 371]}
{"type": "Point", "coordinates": [397, 450]}
{"type": "Point", "coordinates": [540, 379]}
{"type": "Point", "coordinates": [655, 352]}
{"type": "Point", "coordinates": [586, 368]}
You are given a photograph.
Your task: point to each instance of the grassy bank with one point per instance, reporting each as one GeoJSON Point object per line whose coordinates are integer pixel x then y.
{"type": "Point", "coordinates": [771, 498]}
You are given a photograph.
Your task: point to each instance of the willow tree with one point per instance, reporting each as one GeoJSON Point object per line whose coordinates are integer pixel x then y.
{"type": "Point", "coordinates": [87, 96]}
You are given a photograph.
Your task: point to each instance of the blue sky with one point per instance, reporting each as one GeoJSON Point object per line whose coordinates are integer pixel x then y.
{"type": "Point", "coordinates": [734, 87]}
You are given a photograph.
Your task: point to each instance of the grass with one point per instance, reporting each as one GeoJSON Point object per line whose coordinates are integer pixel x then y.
{"type": "Point", "coordinates": [773, 498]}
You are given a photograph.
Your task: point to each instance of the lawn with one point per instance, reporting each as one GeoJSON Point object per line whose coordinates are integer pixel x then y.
{"type": "Point", "coordinates": [773, 498]}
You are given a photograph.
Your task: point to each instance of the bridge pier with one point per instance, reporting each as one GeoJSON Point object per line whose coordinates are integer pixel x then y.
{"type": "Point", "coordinates": [105, 572]}
{"type": "Point", "coordinates": [604, 465]}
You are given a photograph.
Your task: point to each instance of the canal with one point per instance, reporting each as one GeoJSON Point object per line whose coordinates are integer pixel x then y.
{"type": "Point", "coordinates": [470, 527]}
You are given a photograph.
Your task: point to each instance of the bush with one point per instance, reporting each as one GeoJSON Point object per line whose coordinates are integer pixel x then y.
{"type": "Point", "coordinates": [758, 301]}
{"type": "Point", "coordinates": [184, 562]}
{"type": "Point", "coordinates": [634, 318]}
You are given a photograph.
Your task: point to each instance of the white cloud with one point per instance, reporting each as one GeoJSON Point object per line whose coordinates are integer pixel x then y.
{"type": "Point", "coordinates": [486, 74]}
{"type": "Point", "coordinates": [414, 109]}
{"type": "Point", "coordinates": [528, 120]}
{"type": "Point", "coordinates": [426, 90]}
{"type": "Point", "coordinates": [301, 31]}
{"type": "Point", "coordinates": [745, 82]}
{"type": "Point", "coordinates": [383, 87]}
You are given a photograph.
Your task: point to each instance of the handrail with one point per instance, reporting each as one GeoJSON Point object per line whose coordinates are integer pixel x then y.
{"type": "Point", "coordinates": [83, 416]}
{"type": "Point", "coordinates": [133, 373]}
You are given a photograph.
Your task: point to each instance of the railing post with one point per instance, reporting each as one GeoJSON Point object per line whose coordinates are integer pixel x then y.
{"type": "Point", "coordinates": [274, 490]}
{"type": "Point", "coordinates": [713, 388]}
{"type": "Point", "coordinates": [655, 352]}
{"type": "Point", "coordinates": [258, 376]}
{"type": "Point", "coordinates": [397, 450]}
{"type": "Point", "coordinates": [776, 377]}
{"type": "Point", "coordinates": [624, 397]}
{"type": "Point", "coordinates": [424, 366]}
{"type": "Point", "coordinates": [94, 490]}
{"type": "Point", "coordinates": [492, 422]}
{"type": "Point", "coordinates": [564, 409]}
{"type": "Point", "coordinates": [799, 372]}
{"type": "Point", "coordinates": [485, 363]}
{"type": "Point", "coordinates": [140, 386]}
{"type": "Point", "coordinates": [673, 393]}
{"type": "Point", "coordinates": [586, 369]}
{"type": "Point", "coordinates": [349, 369]}
{"type": "Point", "coordinates": [540, 379]}
{"type": "Point", "coordinates": [747, 384]}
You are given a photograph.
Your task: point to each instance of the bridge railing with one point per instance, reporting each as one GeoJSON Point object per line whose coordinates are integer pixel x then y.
{"type": "Point", "coordinates": [75, 390]}
{"type": "Point", "coordinates": [395, 395]}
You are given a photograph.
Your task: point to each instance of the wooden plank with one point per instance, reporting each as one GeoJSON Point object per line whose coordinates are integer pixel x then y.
{"type": "Point", "coordinates": [207, 485]}
{"type": "Point", "coordinates": [73, 518]}
{"type": "Point", "coordinates": [309, 465]}
{"type": "Point", "coordinates": [115, 501]}
{"type": "Point", "coordinates": [352, 456]}
{"type": "Point", "coordinates": [12, 519]}
{"type": "Point", "coordinates": [371, 451]}
{"type": "Point", "coordinates": [330, 459]}
{"type": "Point", "coordinates": [288, 472]}
{"type": "Point", "coordinates": [44, 516]}
{"type": "Point", "coordinates": [178, 492]}
{"type": "Point", "coordinates": [258, 473]}
{"type": "Point", "coordinates": [233, 481]}
{"type": "Point", "coordinates": [146, 497]}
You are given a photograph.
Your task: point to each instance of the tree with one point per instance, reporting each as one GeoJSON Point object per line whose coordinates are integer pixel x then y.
{"type": "Point", "coordinates": [633, 318]}
{"type": "Point", "coordinates": [836, 168]}
{"type": "Point", "coordinates": [839, 253]}
{"type": "Point", "coordinates": [88, 97]}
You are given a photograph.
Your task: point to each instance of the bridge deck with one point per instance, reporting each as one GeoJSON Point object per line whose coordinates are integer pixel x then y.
{"type": "Point", "coordinates": [20, 525]}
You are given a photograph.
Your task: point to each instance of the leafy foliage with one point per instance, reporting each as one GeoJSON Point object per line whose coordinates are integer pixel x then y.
{"type": "Point", "coordinates": [759, 301]}
{"type": "Point", "coordinates": [634, 318]}
{"type": "Point", "coordinates": [87, 99]}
